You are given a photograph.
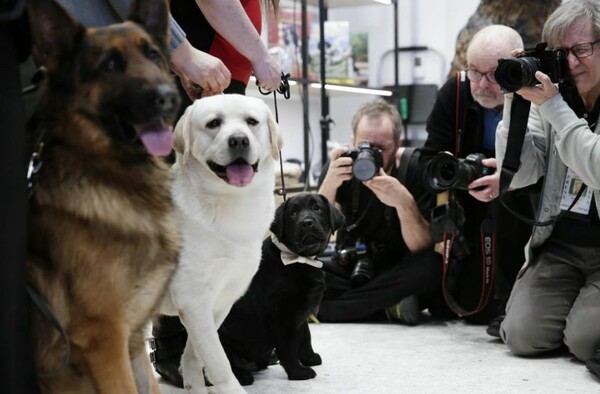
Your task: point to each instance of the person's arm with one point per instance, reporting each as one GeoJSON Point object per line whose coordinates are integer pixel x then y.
{"type": "Point", "coordinates": [199, 68]}
{"type": "Point", "coordinates": [230, 20]}
{"type": "Point", "coordinates": [414, 227]}
{"type": "Point", "coordinates": [576, 144]}
{"type": "Point", "coordinates": [339, 171]}
{"type": "Point", "coordinates": [191, 65]}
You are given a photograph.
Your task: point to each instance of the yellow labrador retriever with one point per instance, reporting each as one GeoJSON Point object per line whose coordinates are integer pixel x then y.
{"type": "Point", "coordinates": [226, 147]}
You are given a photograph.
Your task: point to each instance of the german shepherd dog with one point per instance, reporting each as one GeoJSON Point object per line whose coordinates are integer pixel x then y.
{"type": "Point", "coordinates": [103, 239]}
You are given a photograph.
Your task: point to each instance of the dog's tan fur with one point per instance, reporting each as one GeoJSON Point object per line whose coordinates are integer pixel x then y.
{"type": "Point", "coordinates": [103, 242]}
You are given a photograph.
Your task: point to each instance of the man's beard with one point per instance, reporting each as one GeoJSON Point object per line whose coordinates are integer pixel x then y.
{"type": "Point", "coordinates": [485, 97]}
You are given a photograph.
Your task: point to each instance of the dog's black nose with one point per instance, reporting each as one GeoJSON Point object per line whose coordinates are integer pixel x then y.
{"type": "Point", "coordinates": [165, 98]}
{"type": "Point", "coordinates": [239, 141]}
{"type": "Point", "coordinates": [308, 223]}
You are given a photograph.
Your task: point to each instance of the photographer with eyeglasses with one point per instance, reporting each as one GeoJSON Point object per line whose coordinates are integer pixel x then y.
{"type": "Point", "coordinates": [463, 124]}
{"type": "Point", "coordinates": [556, 298]}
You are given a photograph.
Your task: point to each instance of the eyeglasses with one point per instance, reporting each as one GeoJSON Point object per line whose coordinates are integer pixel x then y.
{"type": "Point", "coordinates": [475, 76]}
{"type": "Point", "coordinates": [585, 49]}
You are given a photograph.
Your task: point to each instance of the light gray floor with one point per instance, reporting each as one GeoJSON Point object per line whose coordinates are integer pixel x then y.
{"type": "Point", "coordinates": [435, 357]}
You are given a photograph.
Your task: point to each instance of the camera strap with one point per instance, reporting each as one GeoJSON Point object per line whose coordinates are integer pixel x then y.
{"type": "Point", "coordinates": [461, 93]}
{"type": "Point", "coordinates": [488, 244]}
{"type": "Point", "coordinates": [519, 114]}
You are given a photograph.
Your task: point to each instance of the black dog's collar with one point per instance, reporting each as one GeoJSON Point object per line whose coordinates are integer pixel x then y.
{"type": "Point", "coordinates": [289, 257]}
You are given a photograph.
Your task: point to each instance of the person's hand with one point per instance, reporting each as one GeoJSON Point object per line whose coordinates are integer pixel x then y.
{"type": "Point", "coordinates": [538, 94]}
{"type": "Point", "coordinates": [267, 73]}
{"type": "Point", "coordinates": [198, 69]}
{"type": "Point", "coordinates": [486, 188]}
{"type": "Point", "coordinates": [340, 168]}
{"type": "Point", "coordinates": [388, 189]}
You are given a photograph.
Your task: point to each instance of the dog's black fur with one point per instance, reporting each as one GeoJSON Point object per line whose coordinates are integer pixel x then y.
{"type": "Point", "coordinates": [273, 314]}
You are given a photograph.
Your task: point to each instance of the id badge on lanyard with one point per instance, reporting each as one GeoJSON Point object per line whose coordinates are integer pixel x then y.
{"type": "Point", "coordinates": [571, 187]}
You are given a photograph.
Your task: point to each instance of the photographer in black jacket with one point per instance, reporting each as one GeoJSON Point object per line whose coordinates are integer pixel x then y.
{"type": "Point", "coordinates": [463, 121]}
{"type": "Point", "coordinates": [385, 258]}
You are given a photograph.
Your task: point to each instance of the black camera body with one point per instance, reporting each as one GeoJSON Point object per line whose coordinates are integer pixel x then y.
{"type": "Point", "coordinates": [449, 218]}
{"type": "Point", "coordinates": [447, 172]}
{"type": "Point", "coordinates": [359, 258]}
{"type": "Point", "coordinates": [514, 73]}
{"type": "Point", "coordinates": [366, 161]}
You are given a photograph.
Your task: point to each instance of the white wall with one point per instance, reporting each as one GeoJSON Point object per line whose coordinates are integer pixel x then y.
{"type": "Point", "coordinates": [431, 23]}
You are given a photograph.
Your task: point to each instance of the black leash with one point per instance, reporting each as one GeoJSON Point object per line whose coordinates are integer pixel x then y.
{"type": "Point", "coordinates": [284, 90]}
{"type": "Point", "coordinates": [38, 300]}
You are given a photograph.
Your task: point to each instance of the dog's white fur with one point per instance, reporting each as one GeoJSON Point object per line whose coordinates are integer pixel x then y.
{"type": "Point", "coordinates": [222, 226]}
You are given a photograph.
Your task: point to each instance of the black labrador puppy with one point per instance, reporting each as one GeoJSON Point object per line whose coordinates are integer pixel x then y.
{"type": "Point", "coordinates": [287, 288]}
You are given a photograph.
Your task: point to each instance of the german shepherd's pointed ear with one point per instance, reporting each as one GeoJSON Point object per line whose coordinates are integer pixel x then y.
{"type": "Point", "coordinates": [153, 15]}
{"type": "Point", "coordinates": [336, 217]}
{"type": "Point", "coordinates": [54, 32]}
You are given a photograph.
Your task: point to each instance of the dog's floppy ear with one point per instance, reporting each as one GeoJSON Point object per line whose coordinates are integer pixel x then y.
{"type": "Point", "coordinates": [274, 136]}
{"type": "Point", "coordinates": [278, 223]}
{"type": "Point", "coordinates": [182, 135]}
{"type": "Point", "coordinates": [54, 32]}
{"type": "Point", "coordinates": [336, 217]}
{"type": "Point", "coordinates": [154, 16]}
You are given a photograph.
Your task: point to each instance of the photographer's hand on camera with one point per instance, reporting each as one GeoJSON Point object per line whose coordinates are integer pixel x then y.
{"type": "Point", "coordinates": [539, 94]}
{"type": "Point", "coordinates": [415, 229]}
{"type": "Point", "coordinates": [486, 188]}
{"type": "Point", "coordinates": [340, 170]}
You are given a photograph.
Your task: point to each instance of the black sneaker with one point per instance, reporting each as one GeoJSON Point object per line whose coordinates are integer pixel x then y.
{"type": "Point", "coordinates": [493, 329]}
{"type": "Point", "coordinates": [407, 311]}
{"type": "Point", "coordinates": [168, 369]}
{"type": "Point", "coordinates": [593, 364]}
{"type": "Point", "coordinates": [166, 358]}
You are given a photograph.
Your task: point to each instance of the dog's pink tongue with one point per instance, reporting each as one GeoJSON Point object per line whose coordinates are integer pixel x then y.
{"type": "Point", "coordinates": [239, 174]}
{"type": "Point", "coordinates": [157, 137]}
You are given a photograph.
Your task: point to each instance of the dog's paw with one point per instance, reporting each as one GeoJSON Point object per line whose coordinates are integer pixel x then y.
{"type": "Point", "coordinates": [231, 387]}
{"type": "Point", "coordinates": [313, 359]}
{"type": "Point", "coordinates": [300, 373]}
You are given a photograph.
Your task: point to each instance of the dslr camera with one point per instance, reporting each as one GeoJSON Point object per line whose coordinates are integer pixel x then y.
{"type": "Point", "coordinates": [358, 257]}
{"type": "Point", "coordinates": [514, 73]}
{"type": "Point", "coordinates": [449, 218]}
{"type": "Point", "coordinates": [366, 161]}
{"type": "Point", "coordinates": [447, 172]}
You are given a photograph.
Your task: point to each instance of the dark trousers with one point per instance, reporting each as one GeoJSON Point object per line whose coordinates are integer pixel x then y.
{"type": "Point", "coordinates": [16, 364]}
{"type": "Point", "coordinates": [513, 235]}
{"type": "Point", "coordinates": [418, 274]}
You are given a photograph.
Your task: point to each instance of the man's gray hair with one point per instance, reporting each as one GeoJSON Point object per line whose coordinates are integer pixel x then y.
{"type": "Point", "coordinates": [566, 15]}
{"type": "Point", "coordinates": [375, 109]}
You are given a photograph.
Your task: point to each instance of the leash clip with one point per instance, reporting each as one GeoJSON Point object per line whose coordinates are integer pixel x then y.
{"type": "Point", "coordinates": [35, 164]}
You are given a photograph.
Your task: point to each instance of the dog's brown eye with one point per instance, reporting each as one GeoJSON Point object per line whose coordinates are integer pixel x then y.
{"type": "Point", "coordinates": [316, 208]}
{"type": "Point", "coordinates": [153, 55]}
{"type": "Point", "coordinates": [113, 63]}
{"type": "Point", "coordinates": [251, 121]}
{"type": "Point", "coordinates": [213, 124]}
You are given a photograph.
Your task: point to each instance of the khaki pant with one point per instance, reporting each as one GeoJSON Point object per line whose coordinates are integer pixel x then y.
{"type": "Point", "coordinates": [556, 299]}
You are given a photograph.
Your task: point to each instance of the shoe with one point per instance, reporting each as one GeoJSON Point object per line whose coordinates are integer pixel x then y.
{"type": "Point", "coordinates": [593, 364]}
{"type": "Point", "coordinates": [169, 371]}
{"type": "Point", "coordinates": [407, 311]}
{"type": "Point", "coordinates": [493, 328]}
{"type": "Point", "coordinates": [166, 358]}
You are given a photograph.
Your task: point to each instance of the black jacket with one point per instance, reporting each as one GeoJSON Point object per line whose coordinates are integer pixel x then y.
{"type": "Point", "coordinates": [371, 221]}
